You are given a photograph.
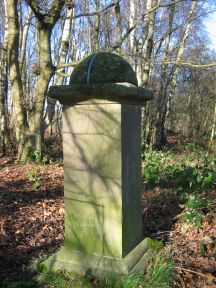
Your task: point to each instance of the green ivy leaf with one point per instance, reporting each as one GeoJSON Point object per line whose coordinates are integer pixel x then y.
{"type": "Point", "coordinates": [36, 184]}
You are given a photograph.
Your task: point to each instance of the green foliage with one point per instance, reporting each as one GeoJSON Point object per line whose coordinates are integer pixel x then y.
{"type": "Point", "coordinates": [154, 162]}
{"type": "Point", "coordinates": [160, 272]}
{"type": "Point", "coordinates": [18, 284]}
{"type": "Point", "coordinates": [196, 202]}
{"type": "Point", "coordinates": [193, 216]}
{"type": "Point", "coordinates": [158, 275]}
{"type": "Point", "coordinates": [34, 178]}
{"type": "Point", "coordinates": [192, 176]}
{"type": "Point", "coordinates": [160, 169]}
{"type": "Point", "coordinates": [63, 279]}
{"type": "Point", "coordinates": [41, 267]}
{"type": "Point", "coordinates": [194, 148]}
{"type": "Point", "coordinates": [33, 175]}
{"type": "Point", "coordinates": [203, 249]}
{"type": "Point", "coordinates": [33, 155]}
{"type": "Point", "coordinates": [52, 152]}
{"type": "Point", "coordinates": [129, 281]}
{"type": "Point", "coordinates": [194, 209]}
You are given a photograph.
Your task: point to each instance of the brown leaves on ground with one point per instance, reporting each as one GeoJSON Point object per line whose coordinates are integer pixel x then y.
{"type": "Point", "coordinates": [193, 249]}
{"type": "Point", "coordinates": [195, 252]}
{"type": "Point", "coordinates": [32, 225]}
{"type": "Point", "coordinates": [31, 220]}
{"type": "Point", "coordinates": [160, 208]}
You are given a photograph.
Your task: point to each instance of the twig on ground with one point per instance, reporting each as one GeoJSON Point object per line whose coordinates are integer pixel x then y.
{"type": "Point", "coordinates": [179, 215]}
{"type": "Point", "coordinates": [194, 272]}
{"type": "Point", "coordinates": [180, 281]}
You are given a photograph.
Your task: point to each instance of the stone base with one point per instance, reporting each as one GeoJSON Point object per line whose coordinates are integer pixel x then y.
{"type": "Point", "coordinates": [74, 261]}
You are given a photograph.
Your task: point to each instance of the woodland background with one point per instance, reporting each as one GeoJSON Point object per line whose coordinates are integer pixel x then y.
{"type": "Point", "coordinates": [166, 42]}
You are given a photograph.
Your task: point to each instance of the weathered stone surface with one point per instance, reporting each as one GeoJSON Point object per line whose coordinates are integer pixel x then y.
{"type": "Point", "coordinates": [102, 178]}
{"type": "Point", "coordinates": [102, 148]}
{"type": "Point", "coordinates": [77, 261]}
{"type": "Point", "coordinates": [124, 93]}
{"type": "Point", "coordinates": [103, 67]}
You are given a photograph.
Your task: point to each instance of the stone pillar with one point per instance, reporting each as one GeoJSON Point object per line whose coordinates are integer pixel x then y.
{"type": "Point", "coordinates": [102, 154]}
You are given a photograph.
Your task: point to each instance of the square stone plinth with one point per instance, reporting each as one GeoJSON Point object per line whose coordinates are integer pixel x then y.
{"type": "Point", "coordinates": [76, 261]}
{"type": "Point", "coordinates": [102, 178]}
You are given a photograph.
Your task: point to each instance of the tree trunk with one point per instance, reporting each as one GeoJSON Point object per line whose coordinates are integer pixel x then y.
{"type": "Point", "coordinates": [3, 88]}
{"type": "Point", "coordinates": [59, 79]}
{"type": "Point", "coordinates": [131, 23]}
{"type": "Point", "coordinates": [144, 69]}
{"type": "Point", "coordinates": [159, 134]}
{"type": "Point", "coordinates": [23, 49]}
{"type": "Point", "coordinates": [97, 27]}
{"type": "Point", "coordinates": [19, 113]}
{"type": "Point", "coordinates": [181, 45]}
{"type": "Point", "coordinates": [148, 45]}
{"type": "Point", "coordinates": [118, 24]}
{"type": "Point", "coordinates": [45, 71]}
{"type": "Point", "coordinates": [213, 130]}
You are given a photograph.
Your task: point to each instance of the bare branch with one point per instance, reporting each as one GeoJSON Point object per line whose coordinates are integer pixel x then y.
{"type": "Point", "coordinates": [35, 8]}
{"type": "Point", "coordinates": [53, 14]}
{"type": "Point", "coordinates": [193, 65]}
{"type": "Point", "coordinates": [89, 14]}
{"type": "Point", "coordinates": [186, 64]}
{"type": "Point", "coordinates": [63, 74]}
{"type": "Point", "coordinates": [63, 65]}
{"type": "Point", "coordinates": [140, 19]}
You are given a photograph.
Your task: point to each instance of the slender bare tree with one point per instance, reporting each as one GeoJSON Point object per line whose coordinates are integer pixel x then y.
{"type": "Point", "coordinates": [3, 84]}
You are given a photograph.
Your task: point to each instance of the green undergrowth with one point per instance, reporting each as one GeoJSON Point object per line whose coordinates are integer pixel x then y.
{"type": "Point", "coordinates": [192, 175]}
{"type": "Point", "coordinates": [34, 178]}
{"type": "Point", "coordinates": [63, 279]}
{"type": "Point", "coordinates": [159, 274]}
{"type": "Point", "coordinates": [51, 152]}
{"type": "Point", "coordinates": [19, 284]}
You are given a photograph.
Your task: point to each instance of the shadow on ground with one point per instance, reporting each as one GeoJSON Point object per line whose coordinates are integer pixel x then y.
{"type": "Point", "coordinates": [32, 221]}
{"type": "Point", "coordinates": [160, 210]}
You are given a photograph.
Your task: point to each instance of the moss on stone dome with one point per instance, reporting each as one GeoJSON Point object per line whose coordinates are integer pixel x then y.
{"type": "Point", "coordinates": [103, 67]}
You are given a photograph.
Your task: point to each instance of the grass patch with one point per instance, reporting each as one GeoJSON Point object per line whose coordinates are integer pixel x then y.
{"type": "Point", "coordinates": [129, 281]}
{"type": "Point", "coordinates": [63, 279]}
{"type": "Point", "coordinates": [159, 274]}
{"type": "Point", "coordinates": [19, 284]}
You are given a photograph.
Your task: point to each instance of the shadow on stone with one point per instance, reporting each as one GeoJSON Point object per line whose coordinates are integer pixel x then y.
{"type": "Point", "coordinates": [102, 162]}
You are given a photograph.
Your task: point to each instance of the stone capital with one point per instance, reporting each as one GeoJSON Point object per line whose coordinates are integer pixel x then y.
{"type": "Point", "coordinates": [123, 93]}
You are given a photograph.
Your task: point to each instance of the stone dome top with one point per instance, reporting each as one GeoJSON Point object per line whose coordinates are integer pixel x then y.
{"type": "Point", "coordinates": [103, 67]}
{"type": "Point", "coordinates": [101, 78]}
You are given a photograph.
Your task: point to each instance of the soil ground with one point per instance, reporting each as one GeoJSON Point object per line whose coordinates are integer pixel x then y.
{"type": "Point", "coordinates": [32, 224]}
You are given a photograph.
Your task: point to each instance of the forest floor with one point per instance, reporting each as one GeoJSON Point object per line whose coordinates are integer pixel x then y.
{"type": "Point", "coordinates": [32, 215]}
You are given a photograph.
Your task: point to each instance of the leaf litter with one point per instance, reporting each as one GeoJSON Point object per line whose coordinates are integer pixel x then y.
{"type": "Point", "coordinates": [32, 225]}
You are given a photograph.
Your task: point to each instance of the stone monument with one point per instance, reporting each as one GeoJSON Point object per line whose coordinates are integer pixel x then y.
{"type": "Point", "coordinates": [102, 177]}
